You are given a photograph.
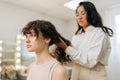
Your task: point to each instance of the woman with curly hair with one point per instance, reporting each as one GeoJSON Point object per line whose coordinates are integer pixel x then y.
{"type": "Point", "coordinates": [39, 35]}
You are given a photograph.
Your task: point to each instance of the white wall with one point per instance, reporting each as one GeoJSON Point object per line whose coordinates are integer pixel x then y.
{"type": "Point", "coordinates": [108, 17]}
{"type": "Point", "coordinates": [13, 18]}
{"type": "Point", "coordinates": [72, 27]}
{"type": "Point", "coordinates": [114, 62]}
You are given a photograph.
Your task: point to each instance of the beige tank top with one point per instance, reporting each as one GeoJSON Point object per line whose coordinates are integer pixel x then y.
{"type": "Point", "coordinates": [42, 72]}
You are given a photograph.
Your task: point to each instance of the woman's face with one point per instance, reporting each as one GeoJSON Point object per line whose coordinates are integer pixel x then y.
{"type": "Point", "coordinates": [34, 43]}
{"type": "Point", "coordinates": [81, 16]}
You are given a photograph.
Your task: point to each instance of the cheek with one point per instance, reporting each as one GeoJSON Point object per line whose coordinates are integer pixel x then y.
{"type": "Point", "coordinates": [40, 44]}
{"type": "Point", "coordinates": [77, 19]}
{"type": "Point", "coordinates": [85, 18]}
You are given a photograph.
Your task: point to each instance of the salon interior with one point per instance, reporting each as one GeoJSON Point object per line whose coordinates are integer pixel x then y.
{"type": "Point", "coordinates": [14, 14]}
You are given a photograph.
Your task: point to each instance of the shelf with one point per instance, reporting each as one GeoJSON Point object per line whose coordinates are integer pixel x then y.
{"type": "Point", "coordinates": [8, 60]}
{"type": "Point", "coordinates": [8, 50]}
{"type": "Point", "coordinates": [9, 43]}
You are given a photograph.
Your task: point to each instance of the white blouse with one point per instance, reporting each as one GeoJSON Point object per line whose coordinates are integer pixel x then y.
{"type": "Point", "coordinates": [90, 47]}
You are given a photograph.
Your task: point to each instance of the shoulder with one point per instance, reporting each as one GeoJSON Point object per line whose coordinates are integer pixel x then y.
{"type": "Point", "coordinates": [97, 35]}
{"type": "Point", "coordinates": [59, 69]}
{"type": "Point", "coordinates": [98, 32]}
{"type": "Point", "coordinates": [29, 67]}
{"type": "Point", "coordinates": [59, 73]}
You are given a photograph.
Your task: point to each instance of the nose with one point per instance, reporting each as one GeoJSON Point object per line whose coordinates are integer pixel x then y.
{"type": "Point", "coordinates": [79, 18]}
{"type": "Point", "coordinates": [27, 40]}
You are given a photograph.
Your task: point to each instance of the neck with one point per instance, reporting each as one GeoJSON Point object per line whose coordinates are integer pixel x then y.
{"type": "Point", "coordinates": [86, 27]}
{"type": "Point", "coordinates": [43, 57]}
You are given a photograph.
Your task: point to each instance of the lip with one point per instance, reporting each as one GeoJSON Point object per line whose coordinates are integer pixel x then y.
{"type": "Point", "coordinates": [80, 21]}
{"type": "Point", "coordinates": [28, 46]}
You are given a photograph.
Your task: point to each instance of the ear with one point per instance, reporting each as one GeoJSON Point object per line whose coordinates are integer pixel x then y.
{"type": "Point", "coordinates": [47, 40]}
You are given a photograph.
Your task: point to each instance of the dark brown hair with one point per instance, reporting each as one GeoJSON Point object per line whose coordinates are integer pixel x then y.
{"type": "Point", "coordinates": [48, 30]}
{"type": "Point", "coordinates": [93, 17]}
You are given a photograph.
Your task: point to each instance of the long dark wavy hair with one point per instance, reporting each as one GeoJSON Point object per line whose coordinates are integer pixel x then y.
{"type": "Point", "coordinates": [48, 30]}
{"type": "Point", "coordinates": [93, 17]}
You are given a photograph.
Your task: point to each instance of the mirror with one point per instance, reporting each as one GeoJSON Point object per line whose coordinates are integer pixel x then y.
{"type": "Point", "coordinates": [14, 58]}
{"type": "Point", "coordinates": [7, 60]}
{"type": "Point", "coordinates": [7, 53]}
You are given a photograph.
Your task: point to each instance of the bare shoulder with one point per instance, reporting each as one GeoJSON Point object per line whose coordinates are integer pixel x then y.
{"type": "Point", "coordinates": [59, 73]}
{"type": "Point", "coordinates": [59, 69]}
{"type": "Point", "coordinates": [29, 67]}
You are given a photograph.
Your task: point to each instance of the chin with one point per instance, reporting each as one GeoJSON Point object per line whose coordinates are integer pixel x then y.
{"type": "Point", "coordinates": [30, 50]}
{"type": "Point", "coordinates": [80, 24]}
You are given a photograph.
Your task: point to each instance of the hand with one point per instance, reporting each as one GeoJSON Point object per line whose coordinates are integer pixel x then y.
{"type": "Point", "coordinates": [62, 44]}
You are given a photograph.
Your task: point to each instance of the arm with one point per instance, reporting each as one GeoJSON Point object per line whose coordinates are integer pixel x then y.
{"type": "Point", "coordinates": [89, 56]}
{"type": "Point", "coordinates": [95, 48]}
{"type": "Point", "coordinates": [59, 73]}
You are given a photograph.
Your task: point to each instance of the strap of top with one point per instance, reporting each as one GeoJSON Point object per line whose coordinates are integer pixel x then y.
{"type": "Point", "coordinates": [52, 68]}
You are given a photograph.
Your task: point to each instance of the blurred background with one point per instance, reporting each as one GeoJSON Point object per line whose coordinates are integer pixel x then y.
{"type": "Point", "coordinates": [14, 14]}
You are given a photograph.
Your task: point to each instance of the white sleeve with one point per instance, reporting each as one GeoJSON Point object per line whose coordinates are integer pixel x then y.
{"type": "Point", "coordinates": [93, 51]}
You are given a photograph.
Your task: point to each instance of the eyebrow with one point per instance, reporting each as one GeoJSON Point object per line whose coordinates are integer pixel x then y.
{"type": "Point", "coordinates": [30, 32]}
{"type": "Point", "coordinates": [81, 11]}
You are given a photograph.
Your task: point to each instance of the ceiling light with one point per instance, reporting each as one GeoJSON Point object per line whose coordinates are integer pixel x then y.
{"type": "Point", "coordinates": [73, 4]}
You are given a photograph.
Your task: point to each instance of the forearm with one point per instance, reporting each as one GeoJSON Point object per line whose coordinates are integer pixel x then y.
{"type": "Point", "coordinates": [81, 58]}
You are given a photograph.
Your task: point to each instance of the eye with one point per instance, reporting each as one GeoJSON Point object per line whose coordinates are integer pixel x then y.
{"type": "Point", "coordinates": [33, 34]}
{"type": "Point", "coordinates": [24, 36]}
{"type": "Point", "coordinates": [83, 13]}
{"type": "Point", "coordinates": [77, 15]}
